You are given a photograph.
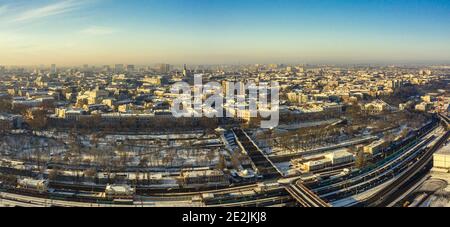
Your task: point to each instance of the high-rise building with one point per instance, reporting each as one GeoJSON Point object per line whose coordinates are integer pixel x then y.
{"type": "Point", "coordinates": [188, 76]}
{"type": "Point", "coordinates": [185, 71]}
{"type": "Point", "coordinates": [53, 68]}
{"type": "Point", "coordinates": [164, 68]}
{"type": "Point", "coordinates": [130, 68]}
{"type": "Point", "coordinates": [118, 68]}
{"type": "Point", "coordinates": [85, 68]}
{"type": "Point", "coordinates": [106, 68]}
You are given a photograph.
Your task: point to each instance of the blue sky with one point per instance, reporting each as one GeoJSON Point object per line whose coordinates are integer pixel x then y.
{"type": "Point", "coordinates": [68, 32]}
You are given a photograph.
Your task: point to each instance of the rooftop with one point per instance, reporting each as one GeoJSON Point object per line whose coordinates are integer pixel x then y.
{"type": "Point", "coordinates": [445, 150]}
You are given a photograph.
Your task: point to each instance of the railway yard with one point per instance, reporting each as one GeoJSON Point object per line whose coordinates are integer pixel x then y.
{"type": "Point", "coordinates": [254, 182]}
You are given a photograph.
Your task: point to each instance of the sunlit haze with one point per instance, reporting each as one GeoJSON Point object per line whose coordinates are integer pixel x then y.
{"type": "Point", "coordinates": [70, 32]}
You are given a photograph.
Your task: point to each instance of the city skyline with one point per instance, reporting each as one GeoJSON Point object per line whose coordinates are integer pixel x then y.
{"type": "Point", "coordinates": [212, 104]}
{"type": "Point", "coordinates": [98, 32]}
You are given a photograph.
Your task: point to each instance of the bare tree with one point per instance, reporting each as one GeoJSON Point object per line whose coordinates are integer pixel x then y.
{"type": "Point", "coordinates": [360, 160]}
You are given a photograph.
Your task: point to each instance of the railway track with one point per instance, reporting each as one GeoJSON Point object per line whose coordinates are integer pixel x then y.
{"type": "Point", "coordinates": [258, 203]}
{"type": "Point", "coordinates": [380, 198]}
{"type": "Point", "coordinates": [365, 179]}
{"type": "Point", "coordinates": [261, 162]}
{"type": "Point", "coordinates": [304, 196]}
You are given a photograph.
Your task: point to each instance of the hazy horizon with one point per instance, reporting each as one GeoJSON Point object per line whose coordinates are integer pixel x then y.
{"type": "Point", "coordinates": [208, 32]}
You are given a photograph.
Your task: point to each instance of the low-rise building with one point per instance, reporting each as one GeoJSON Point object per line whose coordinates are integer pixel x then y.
{"type": "Point", "coordinates": [423, 106]}
{"type": "Point", "coordinates": [69, 114]}
{"type": "Point", "coordinates": [203, 177]}
{"type": "Point", "coordinates": [119, 190]}
{"type": "Point", "coordinates": [376, 106]}
{"type": "Point", "coordinates": [28, 103]}
{"type": "Point", "coordinates": [376, 147]}
{"type": "Point", "coordinates": [340, 157]}
{"type": "Point", "coordinates": [10, 121]}
{"type": "Point", "coordinates": [316, 165]}
{"type": "Point", "coordinates": [27, 183]}
{"type": "Point", "coordinates": [441, 159]}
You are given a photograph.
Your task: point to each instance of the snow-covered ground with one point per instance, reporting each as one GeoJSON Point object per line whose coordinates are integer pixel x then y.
{"type": "Point", "coordinates": [171, 150]}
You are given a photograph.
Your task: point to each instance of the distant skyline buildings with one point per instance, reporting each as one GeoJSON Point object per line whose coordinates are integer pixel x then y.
{"type": "Point", "coordinates": [188, 70]}
{"type": "Point", "coordinates": [103, 32]}
{"type": "Point", "coordinates": [119, 68]}
{"type": "Point", "coordinates": [53, 68]}
{"type": "Point", "coordinates": [164, 68]}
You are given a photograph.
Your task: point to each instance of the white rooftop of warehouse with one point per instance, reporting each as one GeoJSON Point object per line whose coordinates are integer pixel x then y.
{"type": "Point", "coordinates": [445, 150]}
{"type": "Point", "coordinates": [343, 152]}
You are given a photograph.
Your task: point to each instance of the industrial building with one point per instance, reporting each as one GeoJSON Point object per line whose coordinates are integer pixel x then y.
{"type": "Point", "coordinates": [334, 158]}
{"type": "Point", "coordinates": [119, 190]}
{"type": "Point", "coordinates": [441, 160]}
{"type": "Point", "coordinates": [375, 148]}
{"type": "Point", "coordinates": [203, 177]}
{"type": "Point", "coordinates": [340, 157]}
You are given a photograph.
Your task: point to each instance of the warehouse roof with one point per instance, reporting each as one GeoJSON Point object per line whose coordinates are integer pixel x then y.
{"type": "Point", "coordinates": [445, 150]}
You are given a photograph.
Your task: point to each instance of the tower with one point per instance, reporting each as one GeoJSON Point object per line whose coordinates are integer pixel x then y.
{"type": "Point", "coordinates": [53, 69]}
{"type": "Point", "coordinates": [185, 71]}
{"type": "Point", "coordinates": [188, 76]}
